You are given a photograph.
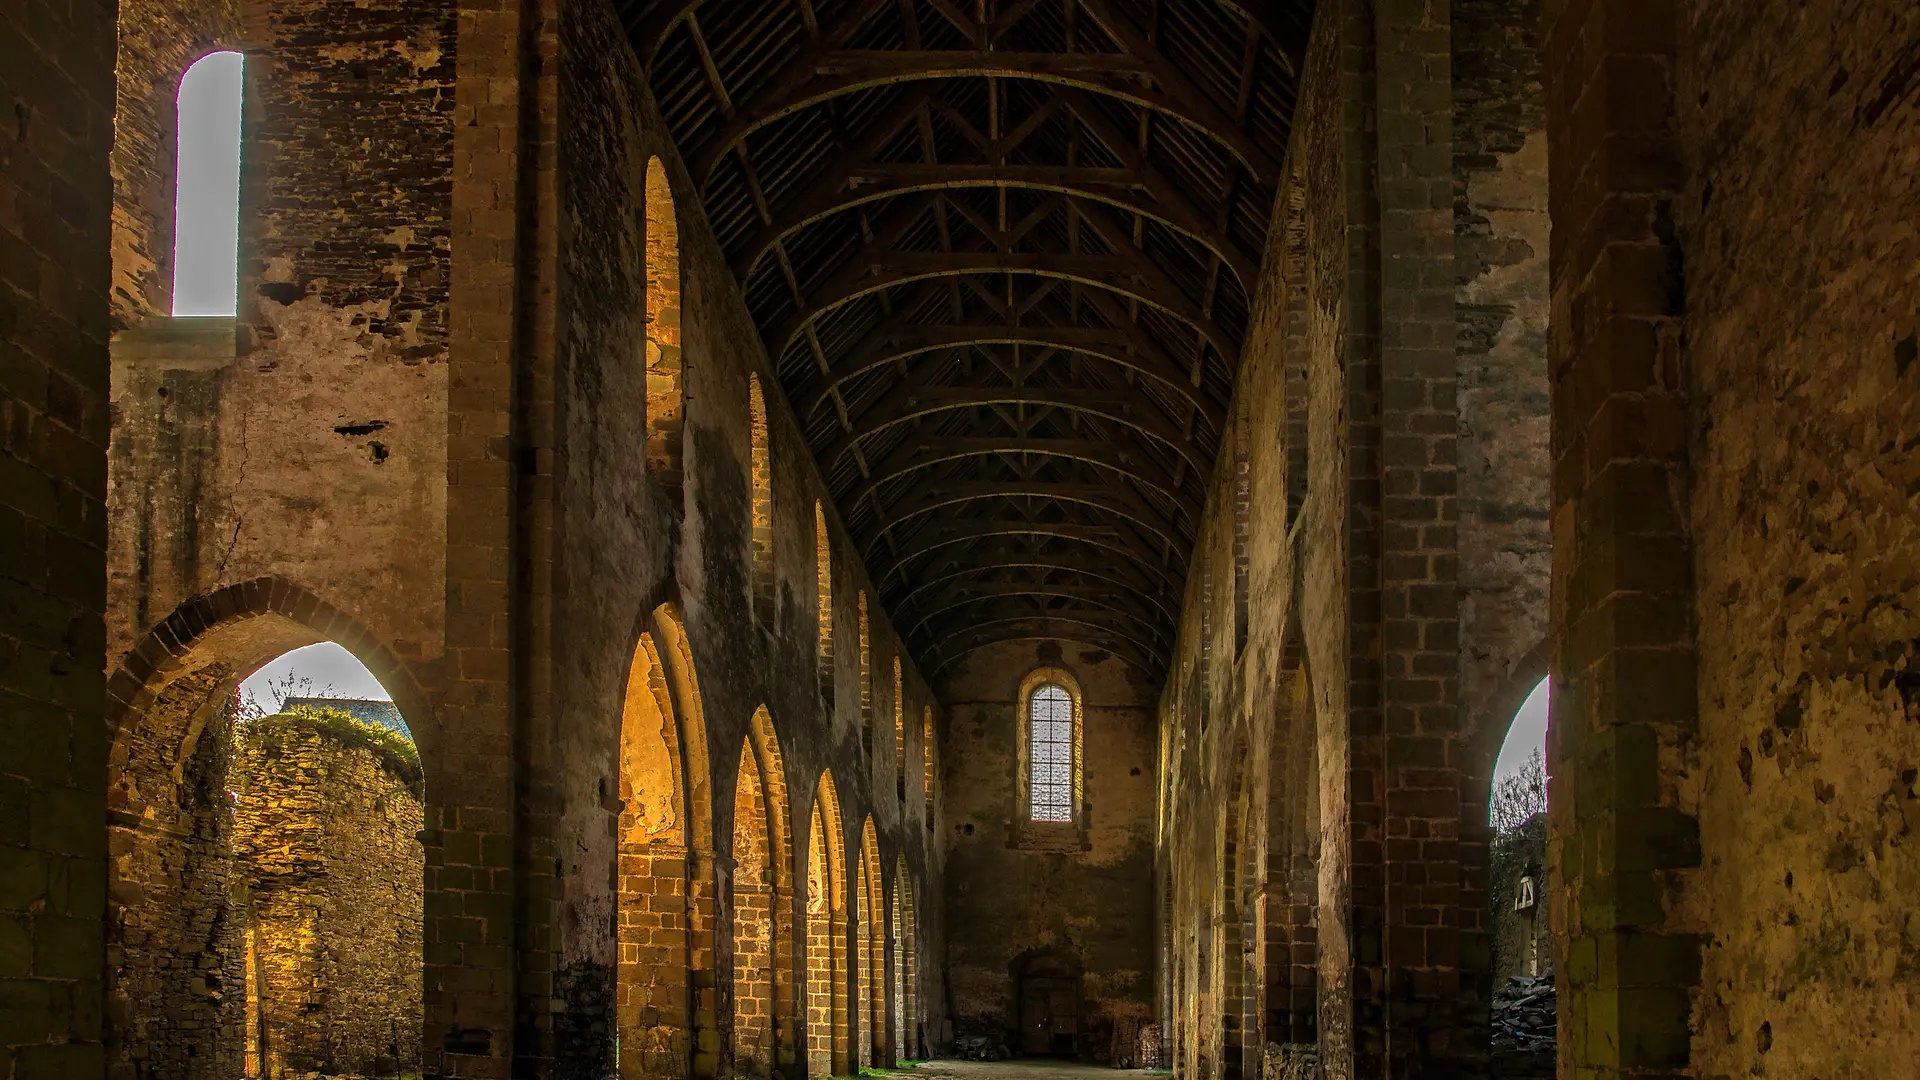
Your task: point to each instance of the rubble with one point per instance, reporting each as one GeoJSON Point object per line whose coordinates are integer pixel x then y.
{"type": "Point", "coordinates": [1525, 1014]}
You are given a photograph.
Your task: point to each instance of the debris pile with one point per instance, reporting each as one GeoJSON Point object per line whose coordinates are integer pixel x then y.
{"type": "Point", "coordinates": [1524, 1014]}
{"type": "Point", "coordinates": [980, 1048]}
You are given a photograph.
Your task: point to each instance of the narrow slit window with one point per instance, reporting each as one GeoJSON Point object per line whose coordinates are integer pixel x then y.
{"type": "Point", "coordinates": [1050, 745]}
{"type": "Point", "coordinates": [206, 212]}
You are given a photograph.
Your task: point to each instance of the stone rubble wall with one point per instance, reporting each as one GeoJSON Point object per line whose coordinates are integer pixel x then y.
{"type": "Point", "coordinates": [325, 841]}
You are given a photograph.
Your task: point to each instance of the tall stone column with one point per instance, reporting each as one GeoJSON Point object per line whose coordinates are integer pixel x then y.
{"type": "Point", "coordinates": [1624, 656]}
{"type": "Point", "coordinates": [56, 71]}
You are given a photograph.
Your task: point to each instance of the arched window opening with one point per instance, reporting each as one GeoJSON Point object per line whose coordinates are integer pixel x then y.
{"type": "Point", "coordinates": [899, 736]}
{"type": "Point", "coordinates": [269, 827]}
{"type": "Point", "coordinates": [761, 538]}
{"type": "Point", "coordinates": [911, 1044]}
{"type": "Point", "coordinates": [666, 392]}
{"type": "Point", "coordinates": [664, 890]}
{"type": "Point", "coordinates": [1051, 747]}
{"type": "Point", "coordinates": [1204, 676]}
{"type": "Point", "coordinates": [823, 604]}
{"type": "Point", "coordinates": [866, 681]}
{"type": "Point", "coordinates": [754, 944]}
{"type": "Point", "coordinates": [929, 763]}
{"type": "Point", "coordinates": [826, 956]}
{"type": "Point", "coordinates": [763, 927]}
{"type": "Point", "coordinates": [1517, 855]}
{"type": "Point", "coordinates": [206, 213]}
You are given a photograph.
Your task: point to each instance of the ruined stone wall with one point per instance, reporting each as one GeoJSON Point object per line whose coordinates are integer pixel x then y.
{"type": "Point", "coordinates": [56, 73]}
{"type": "Point", "coordinates": [1010, 896]}
{"type": "Point", "coordinates": [1801, 136]}
{"type": "Point", "coordinates": [336, 365]}
{"type": "Point", "coordinates": [176, 981]}
{"type": "Point", "coordinates": [325, 840]}
{"type": "Point", "coordinates": [1326, 785]}
{"type": "Point", "coordinates": [640, 546]}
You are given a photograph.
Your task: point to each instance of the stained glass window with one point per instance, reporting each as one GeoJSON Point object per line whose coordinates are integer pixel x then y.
{"type": "Point", "coordinates": [1050, 754]}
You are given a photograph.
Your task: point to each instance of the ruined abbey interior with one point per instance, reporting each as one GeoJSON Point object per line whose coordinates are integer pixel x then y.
{"type": "Point", "coordinates": [978, 530]}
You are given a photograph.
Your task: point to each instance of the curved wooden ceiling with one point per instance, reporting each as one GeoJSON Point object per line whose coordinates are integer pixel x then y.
{"type": "Point", "coordinates": [1001, 252]}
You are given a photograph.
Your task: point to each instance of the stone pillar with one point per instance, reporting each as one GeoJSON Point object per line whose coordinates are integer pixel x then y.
{"type": "Point", "coordinates": [56, 70]}
{"type": "Point", "coordinates": [1419, 612]}
{"type": "Point", "coordinates": [1624, 656]}
{"type": "Point", "coordinates": [470, 909]}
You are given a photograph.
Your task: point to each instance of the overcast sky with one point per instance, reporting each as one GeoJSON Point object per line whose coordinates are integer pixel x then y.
{"type": "Point", "coordinates": [207, 222]}
{"type": "Point", "coordinates": [1529, 733]}
{"type": "Point", "coordinates": [335, 673]}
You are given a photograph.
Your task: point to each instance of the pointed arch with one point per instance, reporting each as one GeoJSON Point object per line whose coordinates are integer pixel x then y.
{"type": "Point", "coordinates": [929, 763]}
{"type": "Point", "coordinates": [760, 527]}
{"type": "Point", "coordinates": [827, 1035]}
{"type": "Point", "coordinates": [870, 934]}
{"type": "Point", "coordinates": [823, 604]}
{"type": "Point", "coordinates": [206, 217]}
{"type": "Point", "coordinates": [666, 391]}
{"type": "Point", "coordinates": [665, 885]}
{"type": "Point", "coordinates": [906, 964]}
{"type": "Point", "coordinates": [865, 644]}
{"type": "Point", "coordinates": [899, 735]}
{"type": "Point", "coordinates": [762, 889]}
{"type": "Point", "coordinates": [172, 822]}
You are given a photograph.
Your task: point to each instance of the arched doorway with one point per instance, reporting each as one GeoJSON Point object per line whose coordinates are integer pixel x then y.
{"type": "Point", "coordinates": [1047, 992]}
{"type": "Point", "coordinates": [762, 909]}
{"type": "Point", "coordinates": [826, 955]}
{"type": "Point", "coordinates": [664, 977]}
{"type": "Point", "coordinates": [911, 1045]}
{"type": "Point", "coordinates": [265, 878]}
{"type": "Point", "coordinates": [870, 933]}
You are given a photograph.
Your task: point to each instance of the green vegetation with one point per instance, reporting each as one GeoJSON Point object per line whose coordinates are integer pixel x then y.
{"type": "Point", "coordinates": [395, 751]}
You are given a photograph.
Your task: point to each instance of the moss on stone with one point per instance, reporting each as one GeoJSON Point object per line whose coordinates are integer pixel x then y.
{"type": "Point", "coordinates": [395, 751]}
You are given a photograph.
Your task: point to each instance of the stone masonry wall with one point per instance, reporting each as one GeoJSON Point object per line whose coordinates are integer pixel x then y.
{"type": "Point", "coordinates": [1326, 786]}
{"type": "Point", "coordinates": [1008, 900]}
{"type": "Point", "coordinates": [336, 364]}
{"type": "Point", "coordinates": [56, 76]}
{"type": "Point", "coordinates": [175, 986]}
{"type": "Point", "coordinates": [325, 840]}
{"type": "Point", "coordinates": [628, 546]}
{"type": "Point", "coordinates": [1797, 223]}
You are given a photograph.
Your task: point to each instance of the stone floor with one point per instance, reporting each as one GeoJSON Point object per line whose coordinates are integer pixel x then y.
{"type": "Point", "coordinates": [1024, 1069]}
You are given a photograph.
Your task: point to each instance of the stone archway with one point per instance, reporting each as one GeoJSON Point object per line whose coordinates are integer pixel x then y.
{"type": "Point", "coordinates": [183, 987]}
